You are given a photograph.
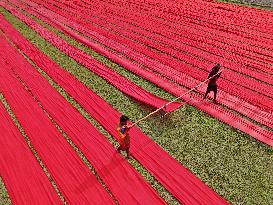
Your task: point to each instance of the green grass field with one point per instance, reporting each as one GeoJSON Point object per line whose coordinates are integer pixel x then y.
{"type": "Point", "coordinates": [234, 164]}
{"type": "Point", "coordinates": [260, 4]}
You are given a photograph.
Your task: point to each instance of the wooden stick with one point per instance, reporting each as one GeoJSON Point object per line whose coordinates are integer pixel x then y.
{"type": "Point", "coordinates": [162, 107]}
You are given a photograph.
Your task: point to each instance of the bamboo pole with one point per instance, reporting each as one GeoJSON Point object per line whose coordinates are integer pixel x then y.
{"type": "Point", "coordinates": [162, 107]}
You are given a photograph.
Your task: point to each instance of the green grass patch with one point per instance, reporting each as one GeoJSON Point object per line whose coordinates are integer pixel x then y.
{"type": "Point", "coordinates": [257, 5]}
{"type": "Point", "coordinates": [4, 196]}
{"type": "Point", "coordinates": [232, 163]}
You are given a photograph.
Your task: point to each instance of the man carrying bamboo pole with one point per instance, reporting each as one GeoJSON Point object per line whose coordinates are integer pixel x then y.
{"type": "Point", "coordinates": [212, 85]}
{"type": "Point", "coordinates": [123, 128]}
{"type": "Point", "coordinates": [124, 138]}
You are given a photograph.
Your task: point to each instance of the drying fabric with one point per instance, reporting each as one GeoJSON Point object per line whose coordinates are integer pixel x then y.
{"type": "Point", "coordinates": [250, 95]}
{"type": "Point", "coordinates": [234, 103]}
{"type": "Point", "coordinates": [225, 116]}
{"type": "Point", "coordinates": [223, 14]}
{"type": "Point", "coordinates": [250, 15]}
{"type": "Point", "coordinates": [100, 69]}
{"type": "Point", "coordinates": [73, 178]}
{"type": "Point", "coordinates": [176, 37]}
{"type": "Point", "coordinates": [188, 42]}
{"type": "Point", "coordinates": [228, 100]}
{"type": "Point", "coordinates": [84, 102]}
{"type": "Point", "coordinates": [124, 21]}
{"type": "Point", "coordinates": [162, 178]}
{"type": "Point", "coordinates": [116, 11]}
{"type": "Point", "coordinates": [255, 92]}
{"type": "Point", "coordinates": [124, 182]}
{"type": "Point", "coordinates": [150, 14]}
{"type": "Point", "coordinates": [199, 16]}
{"type": "Point", "coordinates": [184, 185]}
{"type": "Point", "coordinates": [23, 176]}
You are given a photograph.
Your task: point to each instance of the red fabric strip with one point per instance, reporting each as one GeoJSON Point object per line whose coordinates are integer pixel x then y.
{"type": "Point", "coordinates": [24, 178]}
{"type": "Point", "coordinates": [184, 185]}
{"type": "Point", "coordinates": [108, 74]}
{"type": "Point", "coordinates": [172, 35]}
{"type": "Point", "coordinates": [234, 103]}
{"type": "Point", "coordinates": [126, 184]}
{"type": "Point", "coordinates": [75, 181]}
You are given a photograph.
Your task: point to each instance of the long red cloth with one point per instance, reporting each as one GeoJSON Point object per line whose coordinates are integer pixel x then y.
{"type": "Point", "coordinates": [188, 41]}
{"type": "Point", "coordinates": [188, 21]}
{"type": "Point", "coordinates": [184, 185]}
{"type": "Point", "coordinates": [254, 91]}
{"type": "Point", "coordinates": [121, 11]}
{"type": "Point", "coordinates": [231, 101]}
{"type": "Point", "coordinates": [120, 20]}
{"type": "Point", "coordinates": [245, 12]}
{"type": "Point", "coordinates": [201, 16]}
{"type": "Point", "coordinates": [74, 179]}
{"type": "Point", "coordinates": [177, 76]}
{"type": "Point", "coordinates": [239, 16]}
{"type": "Point", "coordinates": [125, 183]}
{"type": "Point", "coordinates": [125, 14]}
{"type": "Point", "coordinates": [130, 20]}
{"type": "Point", "coordinates": [120, 82]}
{"type": "Point", "coordinates": [24, 178]}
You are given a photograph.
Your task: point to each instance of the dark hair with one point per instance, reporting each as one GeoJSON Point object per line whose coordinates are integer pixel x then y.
{"type": "Point", "coordinates": [216, 69]}
{"type": "Point", "coordinates": [123, 119]}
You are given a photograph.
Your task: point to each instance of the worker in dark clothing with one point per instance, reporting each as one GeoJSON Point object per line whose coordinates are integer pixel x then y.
{"type": "Point", "coordinates": [212, 85]}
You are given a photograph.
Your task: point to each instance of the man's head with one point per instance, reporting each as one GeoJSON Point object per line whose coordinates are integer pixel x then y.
{"type": "Point", "coordinates": [123, 119]}
{"type": "Point", "coordinates": [216, 68]}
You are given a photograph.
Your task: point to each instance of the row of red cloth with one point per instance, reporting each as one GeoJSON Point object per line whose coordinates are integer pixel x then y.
{"type": "Point", "coordinates": [255, 92]}
{"type": "Point", "coordinates": [74, 179]}
{"type": "Point", "coordinates": [177, 179]}
{"type": "Point", "coordinates": [231, 101]}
